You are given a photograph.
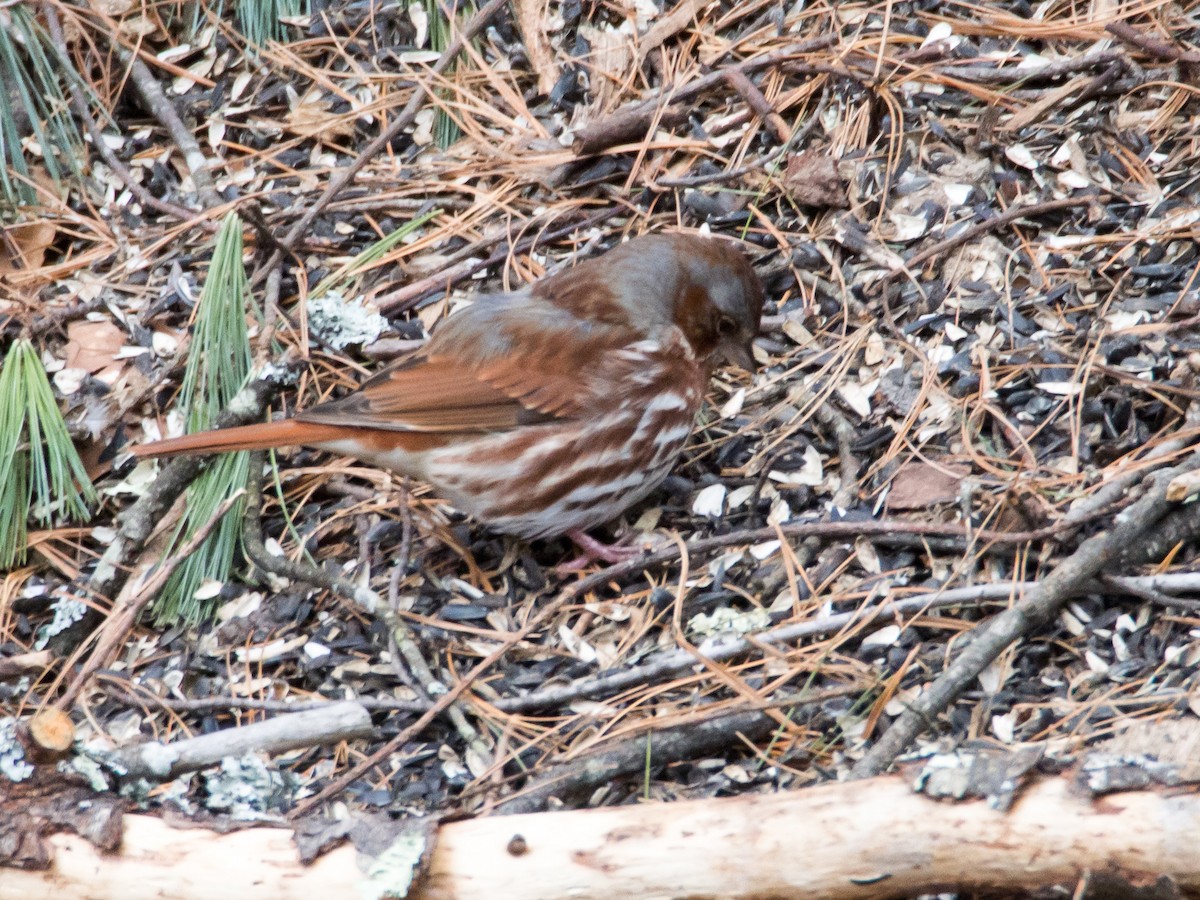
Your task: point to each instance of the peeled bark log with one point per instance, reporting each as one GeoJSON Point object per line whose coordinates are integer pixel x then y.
{"type": "Point", "coordinates": [867, 839]}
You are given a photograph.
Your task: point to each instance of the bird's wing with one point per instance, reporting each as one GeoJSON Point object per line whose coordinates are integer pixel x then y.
{"type": "Point", "coordinates": [472, 377]}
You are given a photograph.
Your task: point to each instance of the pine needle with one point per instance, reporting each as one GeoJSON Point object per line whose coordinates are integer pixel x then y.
{"type": "Point", "coordinates": [260, 20]}
{"type": "Point", "coordinates": [341, 278]}
{"type": "Point", "coordinates": [217, 368]}
{"type": "Point", "coordinates": [445, 129]}
{"type": "Point", "coordinates": [33, 104]}
{"type": "Point", "coordinates": [45, 478]}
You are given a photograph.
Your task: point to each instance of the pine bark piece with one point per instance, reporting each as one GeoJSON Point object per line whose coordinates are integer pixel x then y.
{"type": "Point", "coordinates": [45, 807]}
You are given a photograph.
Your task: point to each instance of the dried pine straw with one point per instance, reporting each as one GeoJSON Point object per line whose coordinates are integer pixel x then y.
{"type": "Point", "coordinates": [998, 382]}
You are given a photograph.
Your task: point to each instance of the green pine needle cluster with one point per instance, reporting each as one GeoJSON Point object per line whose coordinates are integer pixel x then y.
{"type": "Point", "coordinates": [44, 478]}
{"type": "Point", "coordinates": [218, 366]}
{"type": "Point", "coordinates": [34, 106]}
{"type": "Point", "coordinates": [445, 129]}
{"type": "Point", "coordinates": [259, 20]}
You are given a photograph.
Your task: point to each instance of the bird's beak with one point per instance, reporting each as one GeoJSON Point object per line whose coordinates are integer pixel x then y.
{"type": "Point", "coordinates": [742, 355]}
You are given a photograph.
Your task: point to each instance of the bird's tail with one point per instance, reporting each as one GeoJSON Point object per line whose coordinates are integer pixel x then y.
{"type": "Point", "coordinates": [284, 433]}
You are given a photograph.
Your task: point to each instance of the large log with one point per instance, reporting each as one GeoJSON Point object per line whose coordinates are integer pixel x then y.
{"type": "Point", "coordinates": [868, 839]}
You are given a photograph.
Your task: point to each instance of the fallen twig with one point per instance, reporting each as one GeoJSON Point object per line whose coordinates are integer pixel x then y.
{"type": "Point", "coordinates": [164, 111]}
{"type": "Point", "coordinates": [363, 597]}
{"type": "Point", "coordinates": [1151, 45]}
{"type": "Point", "coordinates": [462, 268]}
{"type": "Point", "coordinates": [671, 663]}
{"type": "Point", "coordinates": [881, 529]}
{"type": "Point", "coordinates": [1093, 59]}
{"type": "Point", "coordinates": [327, 724]}
{"type": "Point", "coordinates": [79, 104]}
{"type": "Point", "coordinates": [843, 433]}
{"type": "Point", "coordinates": [1114, 489]}
{"type": "Point", "coordinates": [704, 735]}
{"type": "Point", "coordinates": [481, 668]}
{"type": "Point", "coordinates": [20, 663]}
{"type": "Point", "coordinates": [758, 102]}
{"type": "Point", "coordinates": [1037, 608]}
{"type": "Point", "coordinates": [406, 117]}
{"type": "Point", "coordinates": [134, 598]}
{"type": "Point", "coordinates": [632, 121]}
{"type": "Point", "coordinates": [978, 230]}
{"type": "Point", "coordinates": [135, 695]}
{"type": "Point", "coordinates": [756, 165]}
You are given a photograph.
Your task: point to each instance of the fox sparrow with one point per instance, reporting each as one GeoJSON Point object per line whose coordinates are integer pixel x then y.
{"type": "Point", "coordinates": [550, 409]}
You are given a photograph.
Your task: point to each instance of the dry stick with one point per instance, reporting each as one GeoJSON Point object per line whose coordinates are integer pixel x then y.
{"type": "Point", "coordinates": [399, 571]}
{"type": "Point", "coordinates": [124, 614]}
{"type": "Point", "coordinates": [668, 664]}
{"type": "Point", "coordinates": [137, 696]}
{"type": "Point", "coordinates": [671, 663]}
{"type": "Point", "coordinates": [1102, 83]}
{"type": "Point", "coordinates": [139, 521]}
{"type": "Point", "coordinates": [1153, 46]}
{"type": "Point", "coordinates": [530, 16]}
{"type": "Point", "coordinates": [1038, 607]}
{"type": "Point", "coordinates": [406, 118]}
{"type": "Point", "coordinates": [387, 349]}
{"type": "Point", "coordinates": [1117, 584]}
{"type": "Point", "coordinates": [256, 551]}
{"type": "Point", "coordinates": [263, 349]}
{"type": "Point", "coordinates": [1178, 527]}
{"type": "Point", "coordinates": [365, 598]}
{"type": "Point", "coordinates": [327, 724]}
{"type": "Point", "coordinates": [1039, 109]}
{"type": "Point", "coordinates": [631, 121]}
{"type": "Point", "coordinates": [1107, 88]}
{"type": "Point", "coordinates": [60, 317]}
{"type": "Point", "coordinates": [758, 163]}
{"type": "Point", "coordinates": [481, 668]}
{"type": "Point", "coordinates": [758, 102]}
{"type": "Point", "coordinates": [826, 414]}
{"type": "Point", "coordinates": [1008, 74]}
{"type": "Point", "coordinates": [657, 747]}
{"type": "Point", "coordinates": [295, 570]}
{"type": "Point", "coordinates": [47, 736]}
{"type": "Point", "coordinates": [106, 153]}
{"type": "Point", "coordinates": [21, 663]}
{"type": "Point", "coordinates": [1112, 491]}
{"type": "Point", "coordinates": [164, 111]}
{"type": "Point", "coordinates": [1010, 215]}
{"type": "Point", "coordinates": [882, 528]}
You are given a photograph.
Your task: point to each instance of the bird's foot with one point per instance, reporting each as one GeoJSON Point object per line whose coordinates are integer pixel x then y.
{"type": "Point", "coordinates": [593, 550]}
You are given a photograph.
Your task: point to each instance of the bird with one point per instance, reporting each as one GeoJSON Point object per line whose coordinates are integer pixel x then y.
{"type": "Point", "coordinates": [551, 409]}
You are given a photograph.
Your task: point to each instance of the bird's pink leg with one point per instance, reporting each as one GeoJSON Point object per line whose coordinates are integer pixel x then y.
{"type": "Point", "coordinates": [595, 550]}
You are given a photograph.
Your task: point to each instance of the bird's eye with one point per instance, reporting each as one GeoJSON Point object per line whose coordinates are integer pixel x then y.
{"type": "Point", "coordinates": [726, 326]}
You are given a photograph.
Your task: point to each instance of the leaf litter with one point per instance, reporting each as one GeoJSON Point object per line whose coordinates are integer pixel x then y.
{"type": "Point", "coordinates": [978, 238]}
